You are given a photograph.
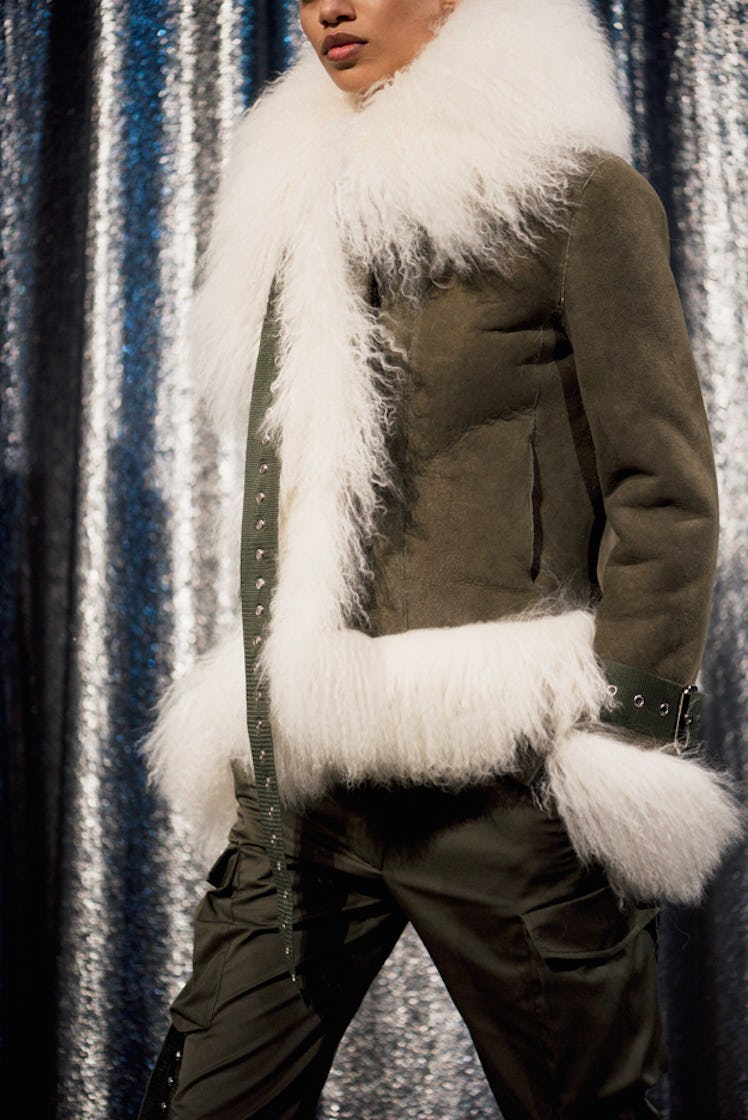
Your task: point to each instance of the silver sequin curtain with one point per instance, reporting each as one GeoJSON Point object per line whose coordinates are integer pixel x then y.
{"type": "Point", "coordinates": [115, 120]}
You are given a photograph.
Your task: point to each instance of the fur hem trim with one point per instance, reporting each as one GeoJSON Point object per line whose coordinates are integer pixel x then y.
{"type": "Point", "coordinates": [658, 823]}
{"type": "Point", "coordinates": [444, 706]}
{"type": "Point", "coordinates": [435, 706]}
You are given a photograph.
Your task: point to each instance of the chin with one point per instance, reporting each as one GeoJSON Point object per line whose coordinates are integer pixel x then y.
{"type": "Point", "coordinates": [354, 79]}
{"type": "Point", "coordinates": [350, 83]}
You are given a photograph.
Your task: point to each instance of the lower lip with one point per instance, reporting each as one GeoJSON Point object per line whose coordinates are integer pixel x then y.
{"type": "Point", "coordinates": [343, 52]}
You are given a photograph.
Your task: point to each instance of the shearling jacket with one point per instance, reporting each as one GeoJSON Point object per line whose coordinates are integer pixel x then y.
{"type": "Point", "coordinates": [495, 468]}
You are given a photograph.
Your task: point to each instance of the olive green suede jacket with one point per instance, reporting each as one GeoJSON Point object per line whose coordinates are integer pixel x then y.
{"type": "Point", "coordinates": [552, 440]}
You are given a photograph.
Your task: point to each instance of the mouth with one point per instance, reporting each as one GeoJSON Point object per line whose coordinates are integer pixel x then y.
{"type": "Point", "coordinates": [341, 46]}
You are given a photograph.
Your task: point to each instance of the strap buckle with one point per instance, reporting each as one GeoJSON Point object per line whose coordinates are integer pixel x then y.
{"type": "Point", "coordinates": [652, 706]}
{"type": "Point", "coordinates": [689, 706]}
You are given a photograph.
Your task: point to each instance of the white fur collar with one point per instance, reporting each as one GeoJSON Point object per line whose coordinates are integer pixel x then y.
{"type": "Point", "coordinates": [478, 134]}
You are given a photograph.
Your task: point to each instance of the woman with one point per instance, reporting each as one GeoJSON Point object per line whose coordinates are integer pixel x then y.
{"type": "Point", "coordinates": [468, 654]}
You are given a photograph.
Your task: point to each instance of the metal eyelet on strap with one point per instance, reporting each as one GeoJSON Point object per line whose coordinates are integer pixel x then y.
{"type": "Point", "coordinates": [257, 573]}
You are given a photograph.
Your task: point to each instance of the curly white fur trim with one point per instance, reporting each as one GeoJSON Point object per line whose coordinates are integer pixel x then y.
{"type": "Point", "coordinates": [201, 728]}
{"type": "Point", "coordinates": [444, 706]}
{"type": "Point", "coordinates": [439, 706]}
{"type": "Point", "coordinates": [658, 823]}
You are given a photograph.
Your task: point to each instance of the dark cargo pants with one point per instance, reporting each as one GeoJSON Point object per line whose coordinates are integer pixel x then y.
{"type": "Point", "coordinates": [555, 980]}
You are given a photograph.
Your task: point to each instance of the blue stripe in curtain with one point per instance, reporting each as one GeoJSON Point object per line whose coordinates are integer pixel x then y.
{"type": "Point", "coordinates": [115, 118]}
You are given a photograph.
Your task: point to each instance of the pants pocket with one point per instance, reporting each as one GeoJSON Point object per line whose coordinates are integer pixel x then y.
{"type": "Point", "coordinates": [591, 927]}
{"type": "Point", "coordinates": [596, 975]}
{"type": "Point", "coordinates": [193, 1008]}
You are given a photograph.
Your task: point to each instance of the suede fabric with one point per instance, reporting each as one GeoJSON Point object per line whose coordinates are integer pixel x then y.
{"type": "Point", "coordinates": [552, 440]}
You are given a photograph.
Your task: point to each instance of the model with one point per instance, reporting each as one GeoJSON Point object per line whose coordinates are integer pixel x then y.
{"type": "Point", "coordinates": [477, 555]}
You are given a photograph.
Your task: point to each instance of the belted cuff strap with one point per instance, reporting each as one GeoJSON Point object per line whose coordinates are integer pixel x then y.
{"type": "Point", "coordinates": [652, 706]}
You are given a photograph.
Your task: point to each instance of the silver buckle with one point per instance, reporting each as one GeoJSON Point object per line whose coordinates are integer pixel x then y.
{"type": "Point", "coordinates": [683, 719]}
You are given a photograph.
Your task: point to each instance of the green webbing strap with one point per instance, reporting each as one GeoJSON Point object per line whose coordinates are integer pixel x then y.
{"type": "Point", "coordinates": [258, 568]}
{"type": "Point", "coordinates": [652, 706]}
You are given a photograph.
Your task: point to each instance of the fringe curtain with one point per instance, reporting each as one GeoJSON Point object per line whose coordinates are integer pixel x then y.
{"type": "Point", "coordinates": [115, 117]}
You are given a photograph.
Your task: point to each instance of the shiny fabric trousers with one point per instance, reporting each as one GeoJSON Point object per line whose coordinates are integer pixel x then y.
{"type": "Point", "coordinates": [555, 978]}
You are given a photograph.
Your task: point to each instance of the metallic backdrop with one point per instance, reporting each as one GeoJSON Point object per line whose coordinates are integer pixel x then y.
{"type": "Point", "coordinates": [115, 118]}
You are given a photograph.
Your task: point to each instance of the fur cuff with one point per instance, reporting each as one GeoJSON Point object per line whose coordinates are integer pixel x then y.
{"type": "Point", "coordinates": [658, 823]}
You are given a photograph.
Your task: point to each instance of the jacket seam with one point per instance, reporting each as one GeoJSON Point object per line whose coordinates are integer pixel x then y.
{"type": "Point", "coordinates": [535, 526]}
{"type": "Point", "coordinates": [407, 404]}
{"type": "Point", "coordinates": [561, 306]}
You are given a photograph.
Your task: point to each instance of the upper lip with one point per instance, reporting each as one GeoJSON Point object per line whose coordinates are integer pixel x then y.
{"type": "Point", "coordinates": [339, 40]}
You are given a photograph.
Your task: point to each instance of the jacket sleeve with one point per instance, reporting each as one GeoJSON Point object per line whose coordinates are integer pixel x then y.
{"type": "Point", "coordinates": [640, 391]}
{"type": "Point", "coordinates": [659, 821]}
